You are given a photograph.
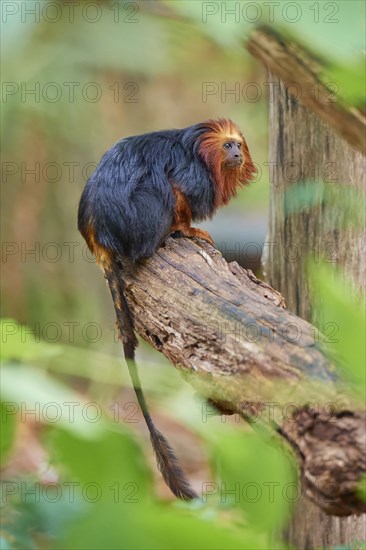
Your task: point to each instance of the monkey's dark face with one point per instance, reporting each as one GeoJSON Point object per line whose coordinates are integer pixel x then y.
{"type": "Point", "coordinates": [233, 155]}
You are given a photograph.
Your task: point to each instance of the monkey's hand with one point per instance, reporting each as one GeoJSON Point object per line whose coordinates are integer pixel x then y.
{"type": "Point", "coordinates": [181, 226]}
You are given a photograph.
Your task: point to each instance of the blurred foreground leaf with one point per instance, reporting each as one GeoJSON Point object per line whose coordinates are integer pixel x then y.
{"type": "Point", "coordinates": [29, 389]}
{"type": "Point", "coordinates": [342, 307]}
{"type": "Point", "coordinates": [258, 478]}
{"type": "Point", "coordinates": [19, 343]}
{"type": "Point", "coordinates": [124, 515]}
{"type": "Point", "coordinates": [8, 426]}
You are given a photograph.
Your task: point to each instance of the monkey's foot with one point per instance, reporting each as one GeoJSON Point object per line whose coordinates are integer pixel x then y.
{"type": "Point", "coordinates": [189, 232]}
{"type": "Point", "coordinates": [202, 234]}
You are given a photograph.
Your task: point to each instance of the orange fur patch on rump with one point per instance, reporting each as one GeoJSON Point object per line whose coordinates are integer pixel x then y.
{"type": "Point", "coordinates": [227, 179]}
{"type": "Point", "coordinates": [102, 255]}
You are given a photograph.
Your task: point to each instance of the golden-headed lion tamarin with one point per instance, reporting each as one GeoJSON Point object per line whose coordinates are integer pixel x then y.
{"type": "Point", "coordinates": [144, 189]}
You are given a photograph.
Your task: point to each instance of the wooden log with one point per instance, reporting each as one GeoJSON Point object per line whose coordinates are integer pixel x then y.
{"type": "Point", "coordinates": [233, 339]}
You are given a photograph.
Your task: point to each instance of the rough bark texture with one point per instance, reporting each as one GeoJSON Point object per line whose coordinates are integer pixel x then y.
{"type": "Point", "coordinates": [305, 148]}
{"type": "Point", "coordinates": [231, 336]}
{"type": "Point", "coordinates": [306, 151]}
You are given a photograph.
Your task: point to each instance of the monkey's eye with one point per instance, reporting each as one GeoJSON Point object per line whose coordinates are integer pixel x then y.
{"type": "Point", "coordinates": [239, 145]}
{"type": "Point", "coordinates": [227, 145]}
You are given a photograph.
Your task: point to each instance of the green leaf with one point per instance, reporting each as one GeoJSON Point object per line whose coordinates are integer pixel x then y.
{"type": "Point", "coordinates": [210, 534]}
{"type": "Point", "coordinates": [350, 80]}
{"type": "Point", "coordinates": [310, 195]}
{"type": "Point", "coordinates": [19, 343]}
{"type": "Point", "coordinates": [31, 393]}
{"type": "Point", "coordinates": [8, 427]}
{"type": "Point", "coordinates": [333, 33]}
{"type": "Point", "coordinates": [257, 478]}
{"type": "Point", "coordinates": [303, 196]}
{"type": "Point", "coordinates": [112, 458]}
{"type": "Point", "coordinates": [333, 30]}
{"type": "Point", "coordinates": [155, 526]}
{"type": "Point", "coordinates": [343, 308]}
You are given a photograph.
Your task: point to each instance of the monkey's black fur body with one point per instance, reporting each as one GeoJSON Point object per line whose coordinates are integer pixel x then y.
{"type": "Point", "coordinates": [129, 197]}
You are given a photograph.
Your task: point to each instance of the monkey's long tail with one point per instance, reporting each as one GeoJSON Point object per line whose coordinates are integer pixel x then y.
{"type": "Point", "coordinates": [167, 462]}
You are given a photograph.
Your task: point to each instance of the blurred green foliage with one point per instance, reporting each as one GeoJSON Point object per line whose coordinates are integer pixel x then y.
{"type": "Point", "coordinates": [337, 301]}
{"type": "Point", "coordinates": [103, 497]}
{"type": "Point", "coordinates": [166, 52]}
{"type": "Point", "coordinates": [111, 504]}
{"type": "Point", "coordinates": [333, 32]}
{"type": "Point", "coordinates": [344, 307]}
{"type": "Point", "coordinates": [149, 71]}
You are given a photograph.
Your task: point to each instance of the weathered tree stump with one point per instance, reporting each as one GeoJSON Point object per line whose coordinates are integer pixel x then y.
{"type": "Point", "coordinates": [232, 338]}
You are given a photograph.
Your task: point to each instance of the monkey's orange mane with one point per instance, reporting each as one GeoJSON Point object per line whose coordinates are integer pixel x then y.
{"type": "Point", "coordinates": [227, 180]}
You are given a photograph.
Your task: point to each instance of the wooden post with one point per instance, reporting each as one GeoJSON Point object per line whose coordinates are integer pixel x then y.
{"type": "Point", "coordinates": [305, 146]}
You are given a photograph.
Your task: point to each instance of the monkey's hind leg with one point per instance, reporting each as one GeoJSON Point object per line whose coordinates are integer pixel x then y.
{"type": "Point", "coordinates": [181, 226]}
